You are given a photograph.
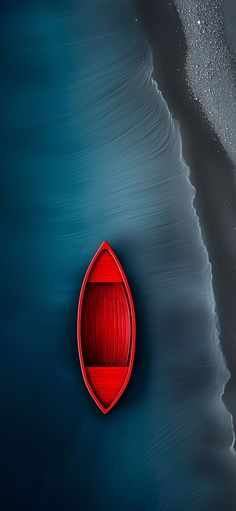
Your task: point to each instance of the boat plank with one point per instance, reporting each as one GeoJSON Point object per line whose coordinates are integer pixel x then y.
{"type": "Point", "coordinates": [106, 382]}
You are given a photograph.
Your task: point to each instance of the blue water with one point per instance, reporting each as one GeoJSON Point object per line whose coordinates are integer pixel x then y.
{"type": "Point", "coordinates": [91, 152]}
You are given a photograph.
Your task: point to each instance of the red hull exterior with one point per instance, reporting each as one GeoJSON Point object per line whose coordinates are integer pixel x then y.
{"type": "Point", "coordinates": [106, 329]}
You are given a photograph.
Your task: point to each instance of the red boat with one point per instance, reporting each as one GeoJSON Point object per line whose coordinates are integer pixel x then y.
{"type": "Point", "coordinates": [106, 329]}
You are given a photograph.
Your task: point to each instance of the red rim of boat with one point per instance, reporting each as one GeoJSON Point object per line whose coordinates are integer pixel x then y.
{"type": "Point", "coordinates": [105, 409]}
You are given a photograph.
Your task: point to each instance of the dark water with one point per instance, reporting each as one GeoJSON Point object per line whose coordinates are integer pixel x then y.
{"type": "Point", "coordinates": [91, 152]}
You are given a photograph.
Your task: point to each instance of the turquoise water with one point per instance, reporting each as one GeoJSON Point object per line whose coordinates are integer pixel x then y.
{"type": "Point", "coordinates": [90, 152]}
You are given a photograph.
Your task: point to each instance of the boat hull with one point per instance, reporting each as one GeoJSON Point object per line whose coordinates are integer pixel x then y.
{"type": "Point", "coordinates": [106, 329]}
